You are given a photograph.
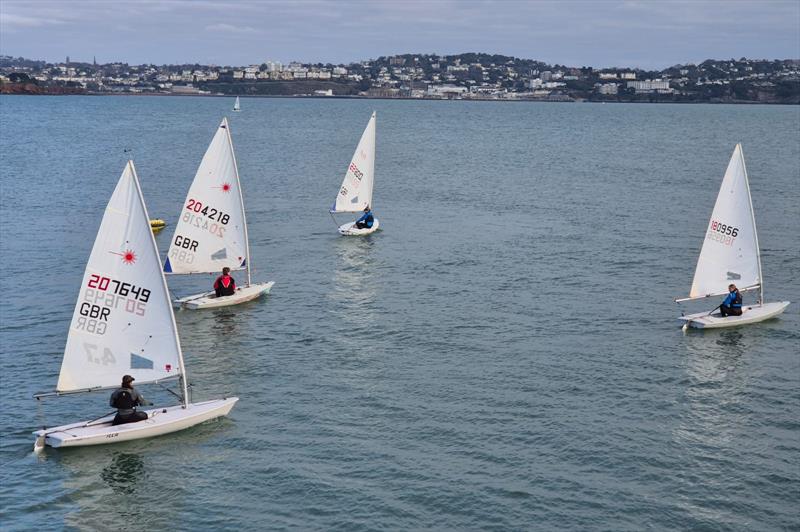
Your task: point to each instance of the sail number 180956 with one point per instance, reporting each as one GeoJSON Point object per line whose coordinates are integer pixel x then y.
{"type": "Point", "coordinates": [722, 233]}
{"type": "Point", "coordinates": [724, 229]}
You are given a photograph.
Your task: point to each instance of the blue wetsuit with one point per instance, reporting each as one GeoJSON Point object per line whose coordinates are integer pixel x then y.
{"type": "Point", "coordinates": [366, 220]}
{"type": "Point", "coordinates": [732, 306]}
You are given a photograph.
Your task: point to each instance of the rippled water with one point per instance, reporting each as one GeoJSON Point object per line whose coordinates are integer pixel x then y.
{"type": "Point", "coordinates": [502, 355]}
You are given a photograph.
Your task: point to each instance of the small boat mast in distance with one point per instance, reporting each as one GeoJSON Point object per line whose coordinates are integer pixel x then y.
{"type": "Point", "coordinates": [730, 254]}
{"type": "Point", "coordinates": [123, 324]}
{"type": "Point", "coordinates": [211, 232]}
{"type": "Point", "coordinates": [355, 194]}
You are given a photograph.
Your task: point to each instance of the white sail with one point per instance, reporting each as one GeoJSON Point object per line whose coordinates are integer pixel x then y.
{"type": "Point", "coordinates": [356, 190]}
{"type": "Point", "coordinates": [123, 321]}
{"type": "Point", "coordinates": [211, 232]}
{"type": "Point", "coordinates": [730, 249]}
{"type": "Point", "coordinates": [236, 106]}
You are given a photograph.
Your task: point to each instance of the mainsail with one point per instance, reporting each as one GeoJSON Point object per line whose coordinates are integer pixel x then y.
{"type": "Point", "coordinates": [212, 230]}
{"type": "Point", "coordinates": [123, 321]}
{"type": "Point", "coordinates": [730, 250]}
{"type": "Point", "coordinates": [356, 190]}
{"type": "Point", "coordinates": [236, 106]}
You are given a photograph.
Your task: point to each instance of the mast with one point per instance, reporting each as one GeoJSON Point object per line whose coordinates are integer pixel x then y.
{"type": "Point", "coordinates": [184, 387]}
{"type": "Point", "coordinates": [241, 201]}
{"type": "Point", "coordinates": [374, 147]}
{"type": "Point", "coordinates": [755, 231]}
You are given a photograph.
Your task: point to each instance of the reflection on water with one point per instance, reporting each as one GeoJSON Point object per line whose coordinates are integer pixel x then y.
{"type": "Point", "coordinates": [115, 476]}
{"type": "Point", "coordinates": [131, 485]}
{"type": "Point", "coordinates": [712, 355]}
{"type": "Point", "coordinates": [715, 394]}
{"type": "Point", "coordinates": [124, 473]}
{"type": "Point", "coordinates": [716, 383]}
{"type": "Point", "coordinates": [225, 321]}
{"type": "Point", "coordinates": [354, 297]}
{"type": "Point", "coordinates": [354, 276]}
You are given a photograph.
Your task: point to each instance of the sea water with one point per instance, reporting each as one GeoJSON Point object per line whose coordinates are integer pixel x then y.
{"type": "Point", "coordinates": [503, 354]}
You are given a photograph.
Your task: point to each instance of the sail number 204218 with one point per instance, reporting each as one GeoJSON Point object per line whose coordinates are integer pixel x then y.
{"type": "Point", "coordinates": [210, 212]}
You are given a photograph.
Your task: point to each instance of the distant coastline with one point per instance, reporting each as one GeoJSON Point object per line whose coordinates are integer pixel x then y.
{"type": "Point", "coordinates": [360, 97]}
{"type": "Point", "coordinates": [469, 76]}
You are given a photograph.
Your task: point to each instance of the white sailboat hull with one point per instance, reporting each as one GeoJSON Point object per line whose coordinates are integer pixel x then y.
{"type": "Point", "coordinates": [208, 300]}
{"type": "Point", "coordinates": [350, 229]}
{"type": "Point", "coordinates": [750, 314]}
{"type": "Point", "coordinates": [160, 421]}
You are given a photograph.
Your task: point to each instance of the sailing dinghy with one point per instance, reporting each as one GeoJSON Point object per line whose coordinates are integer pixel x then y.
{"type": "Point", "coordinates": [356, 190]}
{"type": "Point", "coordinates": [212, 231]}
{"type": "Point", "coordinates": [731, 254]}
{"type": "Point", "coordinates": [236, 106]}
{"type": "Point", "coordinates": [123, 324]}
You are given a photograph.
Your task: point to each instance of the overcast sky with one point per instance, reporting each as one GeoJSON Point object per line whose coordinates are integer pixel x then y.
{"type": "Point", "coordinates": [599, 33]}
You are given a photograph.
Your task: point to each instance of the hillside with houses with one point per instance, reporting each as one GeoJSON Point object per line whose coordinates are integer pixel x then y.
{"type": "Point", "coordinates": [475, 76]}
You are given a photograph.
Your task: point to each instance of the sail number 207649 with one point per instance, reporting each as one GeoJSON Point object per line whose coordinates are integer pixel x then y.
{"type": "Point", "coordinates": [119, 288]}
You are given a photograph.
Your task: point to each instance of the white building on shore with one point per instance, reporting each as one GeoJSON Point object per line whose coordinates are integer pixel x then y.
{"type": "Point", "coordinates": [650, 85]}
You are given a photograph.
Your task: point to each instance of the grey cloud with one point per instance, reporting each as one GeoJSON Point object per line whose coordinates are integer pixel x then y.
{"type": "Point", "coordinates": [652, 34]}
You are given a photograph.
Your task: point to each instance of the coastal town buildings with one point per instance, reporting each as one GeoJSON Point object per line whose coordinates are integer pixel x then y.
{"type": "Point", "coordinates": [462, 76]}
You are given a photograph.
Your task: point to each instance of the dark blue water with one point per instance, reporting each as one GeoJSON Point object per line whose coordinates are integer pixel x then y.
{"type": "Point", "coordinates": [503, 355]}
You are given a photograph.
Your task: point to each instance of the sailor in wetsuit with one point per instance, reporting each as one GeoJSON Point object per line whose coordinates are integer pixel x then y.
{"type": "Point", "coordinates": [732, 306]}
{"type": "Point", "coordinates": [125, 400]}
{"type": "Point", "coordinates": [225, 285]}
{"type": "Point", "coordinates": [366, 219]}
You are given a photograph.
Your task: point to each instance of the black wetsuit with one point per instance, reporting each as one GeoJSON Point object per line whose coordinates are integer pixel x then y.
{"type": "Point", "coordinates": [125, 400]}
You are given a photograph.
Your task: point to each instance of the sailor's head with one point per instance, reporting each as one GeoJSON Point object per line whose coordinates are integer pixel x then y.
{"type": "Point", "coordinates": [127, 381]}
{"type": "Point", "coordinates": [226, 270]}
{"type": "Point", "coordinates": [731, 287]}
{"type": "Point", "coordinates": [366, 209]}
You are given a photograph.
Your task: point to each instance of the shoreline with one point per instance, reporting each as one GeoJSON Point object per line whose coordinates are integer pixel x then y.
{"type": "Point", "coordinates": [357, 97]}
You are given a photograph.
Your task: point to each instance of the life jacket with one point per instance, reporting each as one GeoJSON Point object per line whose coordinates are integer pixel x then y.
{"type": "Point", "coordinates": [124, 400]}
{"type": "Point", "coordinates": [369, 220]}
{"type": "Point", "coordinates": [225, 285]}
{"type": "Point", "coordinates": [737, 301]}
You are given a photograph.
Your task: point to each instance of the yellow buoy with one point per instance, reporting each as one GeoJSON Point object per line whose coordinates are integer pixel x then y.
{"type": "Point", "coordinates": [157, 225]}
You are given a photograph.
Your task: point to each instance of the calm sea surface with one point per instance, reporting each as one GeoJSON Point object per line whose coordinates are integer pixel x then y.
{"type": "Point", "coordinates": [503, 355]}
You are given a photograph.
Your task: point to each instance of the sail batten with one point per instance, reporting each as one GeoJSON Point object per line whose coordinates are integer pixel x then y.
{"type": "Point", "coordinates": [356, 190]}
{"type": "Point", "coordinates": [122, 322]}
{"type": "Point", "coordinates": [730, 252]}
{"type": "Point", "coordinates": [211, 233]}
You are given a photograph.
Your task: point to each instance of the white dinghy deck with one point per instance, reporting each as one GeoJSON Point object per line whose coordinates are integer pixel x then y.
{"type": "Point", "coordinates": [160, 421]}
{"type": "Point", "coordinates": [350, 229]}
{"type": "Point", "coordinates": [209, 300]}
{"type": "Point", "coordinates": [750, 314]}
